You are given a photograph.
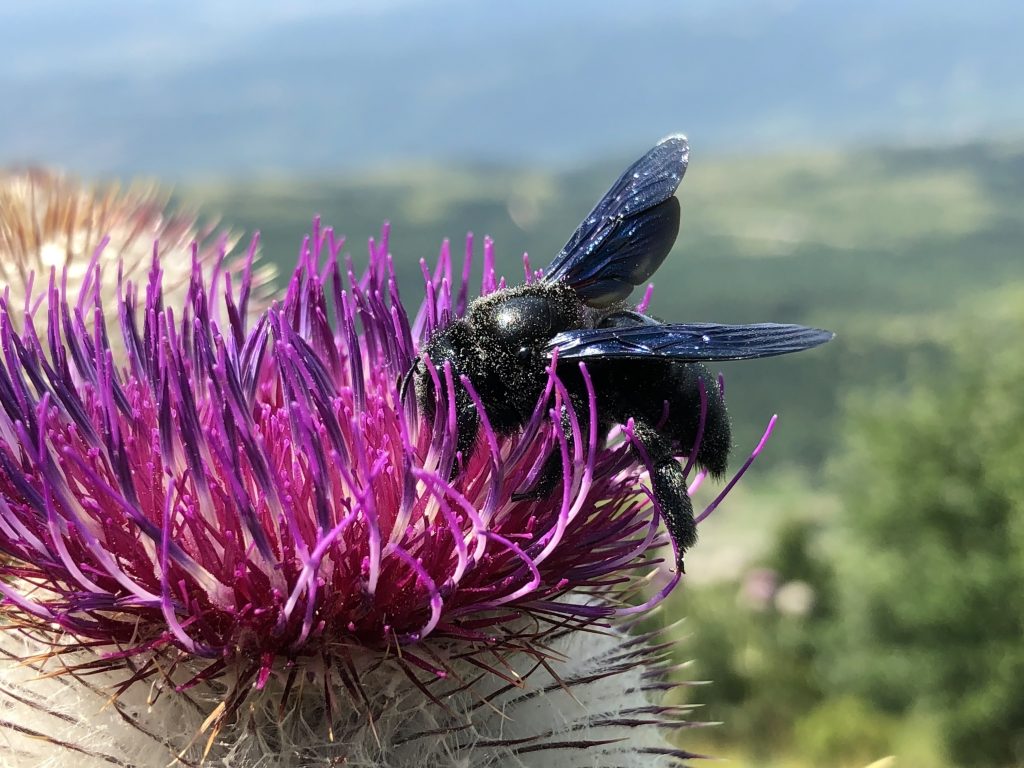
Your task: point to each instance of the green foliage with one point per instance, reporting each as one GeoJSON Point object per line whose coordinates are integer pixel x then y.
{"type": "Point", "coordinates": [843, 731]}
{"type": "Point", "coordinates": [932, 577]}
{"type": "Point", "coordinates": [758, 644]}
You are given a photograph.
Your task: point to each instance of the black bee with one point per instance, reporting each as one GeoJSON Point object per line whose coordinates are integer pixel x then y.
{"type": "Point", "coordinates": [641, 368]}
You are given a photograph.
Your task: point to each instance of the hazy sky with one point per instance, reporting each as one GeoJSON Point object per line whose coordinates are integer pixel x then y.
{"type": "Point", "coordinates": [195, 88]}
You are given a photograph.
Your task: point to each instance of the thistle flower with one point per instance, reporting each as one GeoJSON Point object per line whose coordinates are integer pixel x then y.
{"type": "Point", "coordinates": [240, 547]}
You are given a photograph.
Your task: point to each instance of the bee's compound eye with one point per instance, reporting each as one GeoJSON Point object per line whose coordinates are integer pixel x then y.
{"type": "Point", "coordinates": [525, 354]}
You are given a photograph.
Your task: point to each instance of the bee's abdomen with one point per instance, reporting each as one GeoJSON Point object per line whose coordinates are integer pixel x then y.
{"type": "Point", "coordinates": [666, 395]}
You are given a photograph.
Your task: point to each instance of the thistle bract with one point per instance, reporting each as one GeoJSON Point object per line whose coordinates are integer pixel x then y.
{"type": "Point", "coordinates": [245, 522]}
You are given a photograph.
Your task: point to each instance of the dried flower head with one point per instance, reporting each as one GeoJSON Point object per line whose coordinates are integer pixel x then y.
{"type": "Point", "coordinates": [240, 546]}
{"type": "Point", "coordinates": [49, 220]}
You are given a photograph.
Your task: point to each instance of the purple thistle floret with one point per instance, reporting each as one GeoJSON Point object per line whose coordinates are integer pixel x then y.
{"type": "Point", "coordinates": [251, 496]}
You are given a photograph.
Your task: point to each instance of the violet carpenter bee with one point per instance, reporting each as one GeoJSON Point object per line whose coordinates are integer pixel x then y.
{"type": "Point", "coordinates": [640, 368]}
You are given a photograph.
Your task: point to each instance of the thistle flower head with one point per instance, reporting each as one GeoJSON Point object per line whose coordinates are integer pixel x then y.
{"type": "Point", "coordinates": [242, 529]}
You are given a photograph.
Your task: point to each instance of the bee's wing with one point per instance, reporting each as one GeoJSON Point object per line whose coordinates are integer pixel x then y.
{"type": "Point", "coordinates": [630, 231]}
{"type": "Point", "coordinates": [686, 342]}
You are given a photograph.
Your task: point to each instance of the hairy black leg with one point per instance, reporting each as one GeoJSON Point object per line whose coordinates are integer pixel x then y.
{"type": "Point", "coordinates": [468, 422]}
{"type": "Point", "coordinates": [669, 486]}
{"type": "Point", "coordinates": [551, 472]}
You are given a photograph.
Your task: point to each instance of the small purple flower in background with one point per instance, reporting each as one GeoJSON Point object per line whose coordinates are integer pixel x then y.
{"type": "Point", "coordinates": [758, 588]}
{"type": "Point", "coordinates": [235, 545]}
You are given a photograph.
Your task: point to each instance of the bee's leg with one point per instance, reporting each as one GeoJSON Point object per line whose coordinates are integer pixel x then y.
{"type": "Point", "coordinates": [550, 476]}
{"type": "Point", "coordinates": [551, 473]}
{"type": "Point", "coordinates": [669, 484]}
{"type": "Point", "coordinates": [467, 420]}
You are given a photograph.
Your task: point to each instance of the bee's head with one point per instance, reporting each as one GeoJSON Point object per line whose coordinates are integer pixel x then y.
{"type": "Point", "coordinates": [454, 345]}
{"type": "Point", "coordinates": [519, 323]}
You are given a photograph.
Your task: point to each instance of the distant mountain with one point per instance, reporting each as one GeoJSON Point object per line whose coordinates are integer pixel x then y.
{"type": "Point", "coordinates": [879, 245]}
{"type": "Point", "coordinates": [214, 88]}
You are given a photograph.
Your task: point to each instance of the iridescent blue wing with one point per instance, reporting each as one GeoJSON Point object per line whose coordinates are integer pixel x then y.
{"type": "Point", "coordinates": [630, 231]}
{"type": "Point", "coordinates": [686, 342]}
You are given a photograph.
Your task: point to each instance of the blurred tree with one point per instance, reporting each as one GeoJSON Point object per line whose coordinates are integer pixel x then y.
{"type": "Point", "coordinates": [757, 640]}
{"type": "Point", "coordinates": [931, 603]}
{"type": "Point", "coordinates": [842, 731]}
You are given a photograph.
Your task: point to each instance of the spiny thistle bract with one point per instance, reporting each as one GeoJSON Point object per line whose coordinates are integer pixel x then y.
{"type": "Point", "coordinates": [238, 546]}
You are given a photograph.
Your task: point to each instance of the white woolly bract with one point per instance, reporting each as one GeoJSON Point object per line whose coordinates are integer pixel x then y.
{"type": "Point", "coordinates": [593, 703]}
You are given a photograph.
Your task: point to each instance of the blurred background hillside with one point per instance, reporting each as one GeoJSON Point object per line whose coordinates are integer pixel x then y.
{"type": "Point", "coordinates": [856, 165]}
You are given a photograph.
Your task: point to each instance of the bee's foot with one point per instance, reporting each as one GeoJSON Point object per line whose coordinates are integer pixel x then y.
{"type": "Point", "coordinates": [530, 495]}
